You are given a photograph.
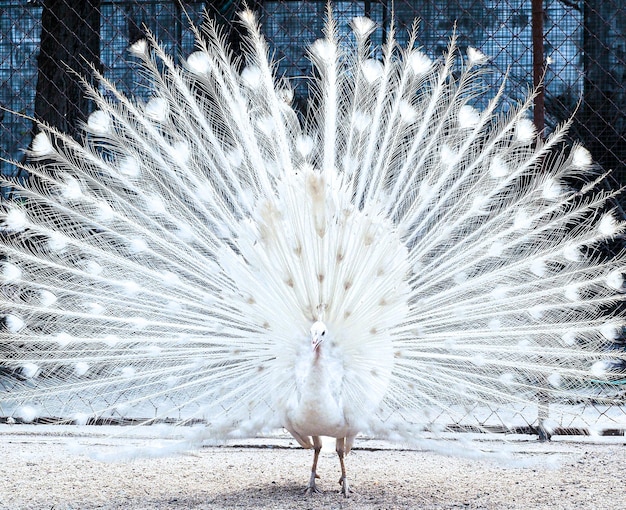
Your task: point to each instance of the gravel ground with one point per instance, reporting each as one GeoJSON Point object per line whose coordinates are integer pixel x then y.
{"type": "Point", "coordinates": [37, 472]}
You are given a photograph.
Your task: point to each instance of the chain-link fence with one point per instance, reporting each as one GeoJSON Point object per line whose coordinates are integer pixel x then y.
{"type": "Point", "coordinates": [577, 48]}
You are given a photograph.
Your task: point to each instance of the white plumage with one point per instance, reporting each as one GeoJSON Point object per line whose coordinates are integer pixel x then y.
{"type": "Point", "coordinates": [398, 253]}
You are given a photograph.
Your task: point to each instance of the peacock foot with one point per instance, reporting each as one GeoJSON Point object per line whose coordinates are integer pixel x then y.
{"type": "Point", "coordinates": [345, 489]}
{"type": "Point", "coordinates": [312, 487]}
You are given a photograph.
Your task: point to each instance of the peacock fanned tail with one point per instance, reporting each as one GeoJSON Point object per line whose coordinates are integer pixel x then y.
{"type": "Point", "coordinates": [168, 265]}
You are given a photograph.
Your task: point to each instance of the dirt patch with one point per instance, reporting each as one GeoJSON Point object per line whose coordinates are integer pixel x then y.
{"type": "Point", "coordinates": [37, 472]}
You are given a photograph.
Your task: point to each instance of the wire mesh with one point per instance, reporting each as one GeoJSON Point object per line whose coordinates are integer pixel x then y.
{"type": "Point", "coordinates": [583, 47]}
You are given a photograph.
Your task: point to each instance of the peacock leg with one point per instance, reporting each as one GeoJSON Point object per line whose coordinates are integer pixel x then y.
{"type": "Point", "coordinates": [317, 445]}
{"type": "Point", "coordinates": [340, 449]}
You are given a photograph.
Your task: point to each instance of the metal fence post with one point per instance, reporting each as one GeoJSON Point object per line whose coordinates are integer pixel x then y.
{"type": "Point", "coordinates": [538, 65]}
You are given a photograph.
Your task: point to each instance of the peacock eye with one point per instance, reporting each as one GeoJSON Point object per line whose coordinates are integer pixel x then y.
{"type": "Point", "coordinates": [323, 333]}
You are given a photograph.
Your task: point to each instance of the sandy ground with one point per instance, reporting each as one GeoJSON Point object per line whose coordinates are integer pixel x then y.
{"type": "Point", "coordinates": [37, 472]}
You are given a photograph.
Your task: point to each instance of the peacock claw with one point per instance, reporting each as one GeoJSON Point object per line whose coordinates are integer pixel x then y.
{"type": "Point", "coordinates": [311, 489]}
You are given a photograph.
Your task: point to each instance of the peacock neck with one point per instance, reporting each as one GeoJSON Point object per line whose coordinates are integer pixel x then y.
{"type": "Point", "coordinates": [317, 355]}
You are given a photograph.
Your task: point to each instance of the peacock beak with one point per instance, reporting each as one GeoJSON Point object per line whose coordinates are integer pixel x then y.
{"type": "Point", "coordinates": [316, 340]}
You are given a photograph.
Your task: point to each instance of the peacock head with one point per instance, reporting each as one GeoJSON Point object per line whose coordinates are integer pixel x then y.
{"type": "Point", "coordinates": [318, 333]}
